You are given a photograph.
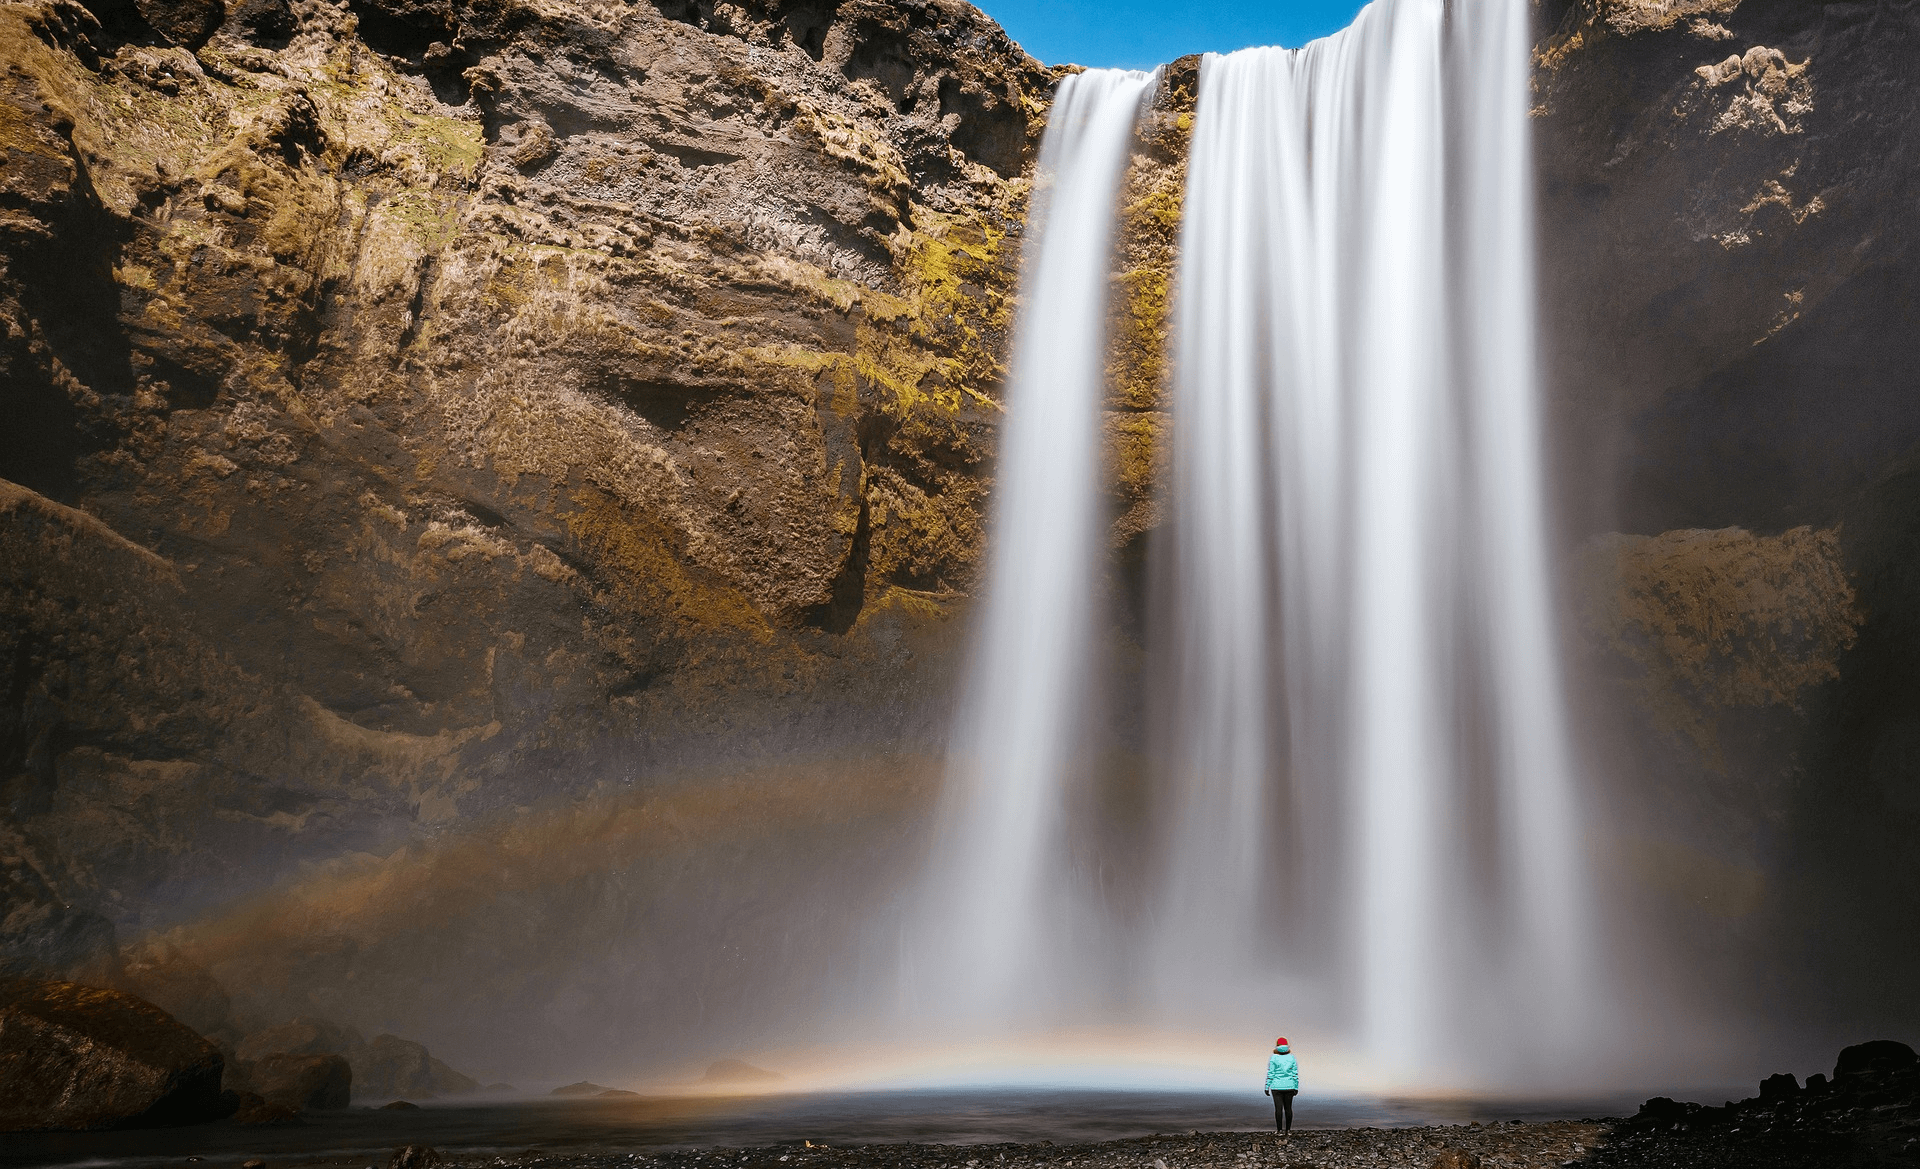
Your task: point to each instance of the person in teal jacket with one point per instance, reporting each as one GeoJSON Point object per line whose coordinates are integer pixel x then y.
{"type": "Point", "coordinates": [1283, 1084]}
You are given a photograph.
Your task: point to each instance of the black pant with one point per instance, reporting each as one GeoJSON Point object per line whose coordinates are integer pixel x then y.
{"type": "Point", "coordinates": [1283, 1109]}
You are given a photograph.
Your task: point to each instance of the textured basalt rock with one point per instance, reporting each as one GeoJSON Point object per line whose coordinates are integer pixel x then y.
{"type": "Point", "coordinates": [426, 413]}
{"type": "Point", "coordinates": [1729, 269]}
{"type": "Point", "coordinates": [1864, 1115]}
{"type": "Point", "coordinates": [75, 1057]}
{"type": "Point", "coordinates": [303, 1082]}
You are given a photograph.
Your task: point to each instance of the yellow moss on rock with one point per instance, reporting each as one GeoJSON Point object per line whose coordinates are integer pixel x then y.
{"type": "Point", "coordinates": [645, 571]}
{"type": "Point", "coordinates": [1718, 620]}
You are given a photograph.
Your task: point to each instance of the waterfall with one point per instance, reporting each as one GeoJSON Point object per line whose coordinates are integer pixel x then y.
{"type": "Point", "coordinates": [1366, 823]}
{"type": "Point", "coordinates": [1371, 783]}
{"type": "Point", "coordinates": [1004, 914]}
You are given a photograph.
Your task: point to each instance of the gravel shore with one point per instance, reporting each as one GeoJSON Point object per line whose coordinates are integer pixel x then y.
{"type": "Point", "coordinates": [1513, 1145]}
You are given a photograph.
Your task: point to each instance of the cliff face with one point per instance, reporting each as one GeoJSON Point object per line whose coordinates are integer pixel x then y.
{"type": "Point", "coordinates": [1729, 266]}
{"type": "Point", "coordinates": [423, 413]}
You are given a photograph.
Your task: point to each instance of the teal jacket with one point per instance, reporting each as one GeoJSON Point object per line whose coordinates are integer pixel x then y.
{"type": "Point", "coordinates": [1283, 1071]}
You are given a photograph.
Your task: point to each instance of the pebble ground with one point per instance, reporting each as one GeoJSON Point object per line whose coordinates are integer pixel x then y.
{"type": "Point", "coordinates": [1497, 1146]}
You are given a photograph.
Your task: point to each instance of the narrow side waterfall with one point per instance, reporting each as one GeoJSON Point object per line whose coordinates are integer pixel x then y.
{"type": "Point", "coordinates": [1371, 782]}
{"type": "Point", "coordinates": [1003, 910]}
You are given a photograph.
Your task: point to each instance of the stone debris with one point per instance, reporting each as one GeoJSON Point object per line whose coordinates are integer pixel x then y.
{"type": "Point", "coordinates": [1514, 1145]}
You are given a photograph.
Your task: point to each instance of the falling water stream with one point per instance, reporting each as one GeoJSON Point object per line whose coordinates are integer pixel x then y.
{"type": "Point", "coordinates": [1370, 755]}
{"type": "Point", "coordinates": [1366, 818]}
{"type": "Point", "coordinates": [1003, 915]}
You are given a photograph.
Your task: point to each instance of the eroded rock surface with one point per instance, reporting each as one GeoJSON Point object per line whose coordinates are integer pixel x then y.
{"type": "Point", "coordinates": [423, 414]}
{"type": "Point", "coordinates": [75, 1057]}
{"type": "Point", "coordinates": [1729, 270]}
{"type": "Point", "coordinates": [303, 1081]}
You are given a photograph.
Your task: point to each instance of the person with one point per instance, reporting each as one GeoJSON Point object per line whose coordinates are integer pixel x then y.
{"type": "Point", "coordinates": [1283, 1084]}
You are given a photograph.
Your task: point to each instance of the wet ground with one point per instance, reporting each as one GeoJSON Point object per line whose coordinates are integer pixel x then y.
{"type": "Point", "coordinates": [927, 1128]}
{"type": "Point", "coordinates": [1024, 1129]}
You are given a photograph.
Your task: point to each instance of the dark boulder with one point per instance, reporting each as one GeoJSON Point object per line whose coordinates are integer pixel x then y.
{"type": "Point", "coordinates": [254, 1111]}
{"type": "Point", "coordinates": [400, 1106]}
{"type": "Point", "coordinates": [303, 1036]}
{"type": "Point", "coordinates": [1780, 1087]}
{"type": "Point", "coordinates": [187, 23]}
{"type": "Point", "coordinates": [1664, 1110]}
{"type": "Point", "coordinates": [304, 1081]}
{"type": "Point", "coordinates": [269, 24]}
{"type": "Point", "coordinates": [414, 1157]}
{"type": "Point", "coordinates": [391, 1066]}
{"type": "Point", "coordinates": [1879, 1055]}
{"type": "Point", "coordinates": [76, 1057]}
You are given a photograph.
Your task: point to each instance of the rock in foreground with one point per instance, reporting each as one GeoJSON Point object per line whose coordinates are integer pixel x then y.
{"type": "Point", "coordinates": [73, 1057]}
{"type": "Point", "coordinates": [1867, 1114]}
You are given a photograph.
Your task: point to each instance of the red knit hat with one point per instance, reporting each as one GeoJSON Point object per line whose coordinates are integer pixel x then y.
{"type": "Point", "coordinates": [1280, 1042]}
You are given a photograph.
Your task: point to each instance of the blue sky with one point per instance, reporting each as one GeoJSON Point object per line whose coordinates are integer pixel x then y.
{"type": "Point", "coordinates": [1139, 34]}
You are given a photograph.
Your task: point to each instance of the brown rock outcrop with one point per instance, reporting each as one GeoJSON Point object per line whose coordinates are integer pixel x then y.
{"type": "Point", "coordinates": [74, 1057]}
{"type": "Point", "coordinates": [389, 1066]}
{"type": "Point", "coordinates": [1729, 279]}
{"type": "Point", "coordinates": [304, 1036]}
{"type": "Point", "coordinates": [424, 414]}
{"type": "Point", "coordinates": [304, 1081]}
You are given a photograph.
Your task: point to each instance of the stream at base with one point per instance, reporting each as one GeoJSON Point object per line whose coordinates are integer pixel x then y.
{"type": "Point", "coordinates": [566, 1129]}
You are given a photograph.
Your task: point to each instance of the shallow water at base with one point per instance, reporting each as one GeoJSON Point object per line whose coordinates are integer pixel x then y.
{"type": "Point", "coordinates": [565, 1128]}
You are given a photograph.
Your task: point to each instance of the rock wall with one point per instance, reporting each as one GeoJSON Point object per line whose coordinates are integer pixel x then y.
{"type": "Point", "coordinates": [1729, 273]}
{"type": "Point", "coordinates": [417, 401]}
{"type": "Point", "coordinates": [436, 419]}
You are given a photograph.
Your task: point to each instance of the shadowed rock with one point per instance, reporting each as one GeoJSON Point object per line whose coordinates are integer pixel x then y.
{"type": "Point", "coordinates": [1879, 1055]}
{"type": "Point", "coordinates": [414, 1157]}
{"type": "Point", "coordinates": [75, 1057]}
{"type": "Point", "coordinates": [254, 1111]}
{"type": "Point", "coordinates": [304, 1036]}
{"type": "Point", "coordinates": [304, 1081]}
{"type": "Point", "coordinates": [391, 1066]}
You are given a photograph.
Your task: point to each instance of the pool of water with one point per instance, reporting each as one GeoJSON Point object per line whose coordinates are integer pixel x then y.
{"type": "Point", "coordinates": [562, 1127]}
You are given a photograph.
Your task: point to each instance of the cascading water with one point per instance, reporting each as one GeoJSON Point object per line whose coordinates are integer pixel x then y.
{"type": "Point", "coordinates": [1367, 814]}
{"type": "Point", "coordinates": [1003, 915]}
{"type": "Point", "coordinates": [1370, 718]}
